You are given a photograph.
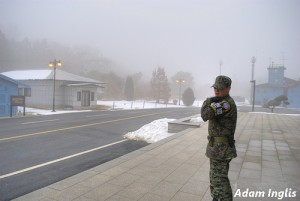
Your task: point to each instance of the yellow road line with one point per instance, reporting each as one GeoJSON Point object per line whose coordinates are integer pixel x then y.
{"type": "Point", "coordinates": [74, 127]}
{"type": "Point", "coordinates": [58, 160]}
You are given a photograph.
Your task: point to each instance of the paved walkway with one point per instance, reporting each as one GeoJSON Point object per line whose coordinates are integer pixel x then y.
{"type": "Point", "coordinates": [267, 167]}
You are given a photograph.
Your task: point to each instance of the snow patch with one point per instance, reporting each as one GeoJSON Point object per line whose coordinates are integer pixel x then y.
{"type": "Point", "coordinates": [152, 132]}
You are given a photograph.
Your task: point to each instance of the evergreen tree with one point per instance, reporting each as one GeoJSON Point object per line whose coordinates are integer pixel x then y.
{"type": "Point", "coordinates": [129, 89]}
{"type": "Point", "coordinates": [160, 85]}
{"type": "Point", "coordinates": [188, 97]}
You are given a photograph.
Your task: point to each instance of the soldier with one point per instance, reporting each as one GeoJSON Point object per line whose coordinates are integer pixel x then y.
{"type": "Point", "coordinates": [221, 112]}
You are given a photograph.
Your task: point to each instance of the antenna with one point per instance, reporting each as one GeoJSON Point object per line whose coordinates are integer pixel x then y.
{"type": "Point", "coordinates": [220, 63]}
{"type": "Point", "coordinates": [283, 58]}
{"type": "Point", "coordinates": [270, 60]}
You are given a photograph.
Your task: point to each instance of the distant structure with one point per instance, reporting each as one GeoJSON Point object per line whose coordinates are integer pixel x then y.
{"type": "Point", "coordinates": [73, 91]}
{"type": "Point", "coordinates": [8, 88]}
{"type": "Point", "coordinates": [278, 85]}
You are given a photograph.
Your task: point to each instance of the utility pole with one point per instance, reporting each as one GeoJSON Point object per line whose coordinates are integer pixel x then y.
{"type": "Point", "coordinates": [252, 95]}
{"type": "Point", "coordinates": [220, 63]}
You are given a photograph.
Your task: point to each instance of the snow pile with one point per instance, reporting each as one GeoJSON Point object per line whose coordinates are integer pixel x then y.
{"type": "Point", "coordinates": [196, 119]}
{"type": "Point", "coordinates": [34, 111]}
{"type": "Point", "coordinates": [152, 132]}
{"type": "Point", "coordinates": [295, 115]}
{"type": "Point", "coordinates": [141, 104]}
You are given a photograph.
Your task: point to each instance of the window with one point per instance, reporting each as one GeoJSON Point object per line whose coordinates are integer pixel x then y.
{"type": "Point", "coordinates": [92, 96]}
{"type": "Point", "coordinates": [27, 92]}
{"type": "Point", "coordinates": [79, 96]}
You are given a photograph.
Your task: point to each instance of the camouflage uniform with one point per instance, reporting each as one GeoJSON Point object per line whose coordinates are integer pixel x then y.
{"type": "Point", "coordinates": [222, 115]}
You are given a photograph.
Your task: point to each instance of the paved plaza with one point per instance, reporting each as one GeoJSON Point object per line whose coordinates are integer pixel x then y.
{"type": "Point", "coordinates": [176, 169]}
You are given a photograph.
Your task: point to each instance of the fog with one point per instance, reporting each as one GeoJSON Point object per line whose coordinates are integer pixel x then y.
{"type": "Point", "coordinates": [179, 35]}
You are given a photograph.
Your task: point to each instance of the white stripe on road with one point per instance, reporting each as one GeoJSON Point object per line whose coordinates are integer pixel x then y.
{"type": "Point", "coordinates": [34, 122]}
{"type": "Point", "coordinates": [58, 160]}
{"type": "Point", "coordinates": [97, 115]}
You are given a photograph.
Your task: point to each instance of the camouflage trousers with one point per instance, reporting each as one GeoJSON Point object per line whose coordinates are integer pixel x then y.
{"type": "Point", "coordinates": [219, 183]}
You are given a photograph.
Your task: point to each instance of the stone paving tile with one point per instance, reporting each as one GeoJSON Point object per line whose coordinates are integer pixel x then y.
{"type": "Point", "coordinates": [118, 198]}
{"type": "Point", "coordinates": [200, 176]}
{"type": "Point", "coordinates": [195, 188]}
{"type": "Point", "coordinates": [270, 158]}
{"type": "Point", "coordinates": [150, 180]}
{"type": "Point", "coordinates": [251, 174]}
{"type": "Point", "coordinates": [135, 191]}
{"type": "Point", "coordinates": [253, 159]}
{"type": "Point", "coordinates": [271, 164]}
{"type": "Point", "coordinates": [131, 163]}
{"type": "Point", "coordinates": [277, 173]}
{"type": "Point", "coordinates": [269, 153]}
{"type": "Point", "coordinates": [252, 166]}
{"type": "Point", "coordinates": [166, 189]}
{"type": "Point", "coordinates": [83, 198]}
{"type": "Point", "coordinates": [124, 179]}
{"type": "Point", "coordinates": [140, 170]}
{"type": "Point", "coordinates": [96, 180]}
{"type": "Point", "coordinates": [233, 175]}
{"type": "Point", "coordinates": [47, 199]}
{"type": "Point", "coordinates": [42, 193]}
{"type": "Point", "coordinates": [66, 183]}
{"type": "Point", "coordinates": [115, 171]}
{"type": "Point", "coordinates": [162, 171]}
{"type": "Point", "coordinates": [180, 196]}
{"type": "Point", "coordinates": [253, 153]}
{"type": "Point", "coordinates": [103, 192]}
{"type": "Point", "coordinates": [153, 197]}
{"type": "Point", "coordinates": [70, 193]}
{"type": "Point", "coordinates": [173, 162]}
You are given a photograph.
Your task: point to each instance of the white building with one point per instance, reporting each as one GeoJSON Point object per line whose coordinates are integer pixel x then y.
{"type": "Point", "coordinates": [71, 91]}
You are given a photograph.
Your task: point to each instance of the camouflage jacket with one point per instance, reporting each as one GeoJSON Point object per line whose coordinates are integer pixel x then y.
{"type": "Point", "coordinates": [221, 123]}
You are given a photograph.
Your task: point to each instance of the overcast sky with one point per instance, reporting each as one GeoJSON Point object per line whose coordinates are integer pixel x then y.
{"type": "Point", "coordinates": [179, 35]}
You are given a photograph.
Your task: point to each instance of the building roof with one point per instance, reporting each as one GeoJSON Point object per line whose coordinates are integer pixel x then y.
{"type": "Point", "coordinates": [17, 83]}
{"type": "Point", "coordinates": [287, 82]}
{"type": "Point", "coordinates": [46, 75]}
{"type": "Point", "coordinates": [290, 82]}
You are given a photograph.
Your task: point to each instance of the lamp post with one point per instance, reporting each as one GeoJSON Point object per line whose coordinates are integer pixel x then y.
{"type": "Point", "coordinates": [54, 64]}
{"type": "Point", "coordinates": [180, 81]}
{"type": "Point", "coordinates": [220, 63]}
{"type": "Point", "coordinates": [252, 95]}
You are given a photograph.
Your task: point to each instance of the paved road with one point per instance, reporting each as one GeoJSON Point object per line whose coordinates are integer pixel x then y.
{"type": "Point", "coordinates": [38, 151]}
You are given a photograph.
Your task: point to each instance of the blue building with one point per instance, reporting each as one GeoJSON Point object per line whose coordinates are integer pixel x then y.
{"type": "Point", "coordinates": [278, 85]}
{"type": "Point", "coordinates": [10, 87]}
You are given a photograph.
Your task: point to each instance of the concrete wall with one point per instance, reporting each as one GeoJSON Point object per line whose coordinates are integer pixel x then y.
{"type": "Point", "coordinates": [65, 96]}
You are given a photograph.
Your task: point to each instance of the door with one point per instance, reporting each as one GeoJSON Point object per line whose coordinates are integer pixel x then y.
{"type": "Point", "coordinates": [85, 101]}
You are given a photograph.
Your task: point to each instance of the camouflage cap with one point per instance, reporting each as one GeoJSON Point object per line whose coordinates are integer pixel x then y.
{"type": "Point", "coordinates": [222, 82]}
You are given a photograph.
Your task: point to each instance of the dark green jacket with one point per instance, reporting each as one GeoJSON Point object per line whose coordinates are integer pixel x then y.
{"type": "Point", "coordinates": [220, 125]}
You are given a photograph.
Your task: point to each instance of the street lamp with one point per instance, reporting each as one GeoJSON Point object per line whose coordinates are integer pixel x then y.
{"type": "Point", "coordinates": [180, 81]}
{"type": "Point", "coordinates": [54, 64]}
{"type": "Point", "coordinates": [220, 63]}
{"type": "Point", "coordinates": [252, 95]}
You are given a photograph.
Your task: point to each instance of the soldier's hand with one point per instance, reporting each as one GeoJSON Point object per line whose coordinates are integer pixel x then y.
{"type": "Point", "coordinates": [220, 107]}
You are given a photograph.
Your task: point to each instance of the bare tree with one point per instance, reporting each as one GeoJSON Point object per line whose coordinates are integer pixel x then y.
{"type": "Point", "coordinates": [160, 85]}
